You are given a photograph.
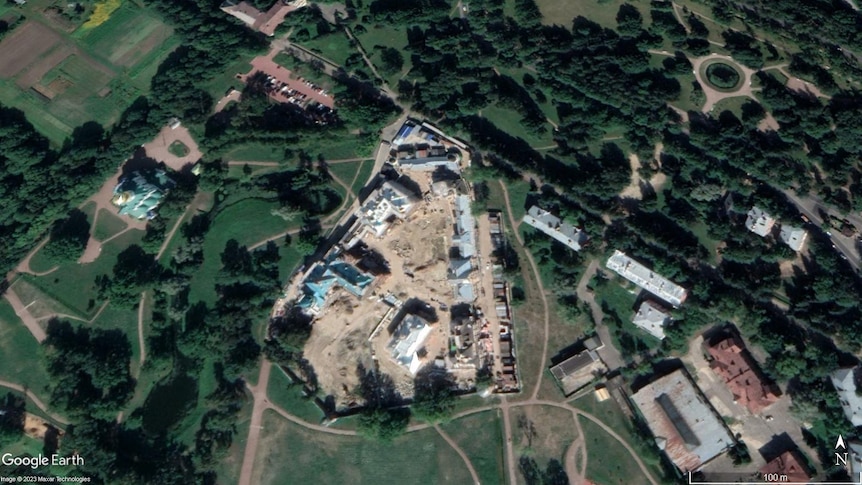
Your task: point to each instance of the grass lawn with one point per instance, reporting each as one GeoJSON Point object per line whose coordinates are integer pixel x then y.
{"type": "Point", "coordinates": [228, 468]}
{"type": "Point", "coordinates": [74, 285]}
{"type": "Point", "coordinates": [543, 433]}
{"type": "Point", "coordinates": [21, 356]}
{"type": "Point", "coordinates": [247, 221]}
{"type": "Point", "coordinates": [510, 122]}
{"type": "Point", "coordinates": [257, 152]}
{"type": "Point", "coordinates": [734, 105]}
{"type": "Point", "coordinates": [562, 12]}
{"type": "Point", "coordinates": [609, 463]}
{"type": "Point", "coordinates": [334, 46]}
{"type": "Point", "coordinates": [107, 225]}
{"type": "Point", "coordinates": [288, 396]}
{"type": "Point", "coordinates": [178, 149]}
{"type": "Point", "coordinates": [480, 436]}
{"type": "Point", "coordinates": [609, 413]}
{"type": "Point", "coordinates": [305, 456]}
{"type": "Point", "coordinates": [363, 176]}
{"type": "Point", "coordinates": [219, 85]}
{"type": "Point", "coordinates": [290, 259]}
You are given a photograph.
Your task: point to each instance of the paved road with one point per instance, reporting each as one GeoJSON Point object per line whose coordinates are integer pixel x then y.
{"type": "Point", "coordinates": [810, 206]}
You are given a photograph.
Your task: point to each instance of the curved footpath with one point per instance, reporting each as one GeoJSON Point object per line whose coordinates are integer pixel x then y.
{"type": "Point", "coordinates": [33, 397]}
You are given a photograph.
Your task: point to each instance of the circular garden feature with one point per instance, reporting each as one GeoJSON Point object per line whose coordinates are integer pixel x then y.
{"type": "Point", "coordinates": [723, 77]}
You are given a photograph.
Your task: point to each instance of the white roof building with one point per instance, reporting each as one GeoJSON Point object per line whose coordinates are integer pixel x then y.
{"type": "Point", "coordinates": [551, 225]}
{"type": "Point", "coordinates": [646, 279]}
{"type": "Point", "coordinates": [407, 340]}
{"type": "Point", "coordinates": [651, 319]}
{"type": "Point", "coordinates": [793, 237]}
{"type": "Point", "coordinates": [390, 200]}
{"type": "Point", "coordinates": [844, 381]}
{"type": "Point", "coordinates": [759, 222]}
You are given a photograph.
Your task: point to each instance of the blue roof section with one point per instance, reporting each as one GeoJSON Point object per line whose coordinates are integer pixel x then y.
{"type": "Point", "coordinates": [325, 275]}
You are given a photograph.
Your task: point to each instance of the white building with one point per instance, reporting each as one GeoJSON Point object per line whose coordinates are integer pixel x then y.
{"type": "Point", "coordinates": [551, 225]}
{"type": "Point", "coordinates": [844, 381]}
{"type": "Point", "coordinates": [407, 340]}
{"type": "Point", "coordinates": [646, 279]}
{"type": "Point", "coordinates": [390, 201]}
{"type": "Point", "coordinates": [759, 222]}
{"type": "Point", "coordinates": [651, 319]}
{"type": "Point", "coordinates": [793, 237]}
{"type": "Point", "coordinates": [465, 228]}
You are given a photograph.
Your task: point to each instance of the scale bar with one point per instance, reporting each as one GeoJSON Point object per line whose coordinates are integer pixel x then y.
{"type": "Point", "coordinates": [763, 482]}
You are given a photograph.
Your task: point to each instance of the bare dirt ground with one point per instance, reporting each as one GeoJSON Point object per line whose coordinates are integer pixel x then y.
{"type": "Point", "coordinates": [227, 99]}
{"type": "Point", "coordinates": [339, 340]}
{"type": "Point", "coordinates": [36, 70]}
{"type": "Point", "coordinates": [158, 148]}
{"type": "Point", "coordinates": [35, 399]}
{"type": "Point", "coordinates": [633, 191]}
{"type": "Point", "coordinates": [35, 427]}
{"type": "Point", "coordinates": [768, 123]}
{"type": "Point", "coordinates": [23, 46]}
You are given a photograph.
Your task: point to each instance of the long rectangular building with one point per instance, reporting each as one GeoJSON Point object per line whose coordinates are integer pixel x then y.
{"type": "Point", "coordinates": [644, 277]}
{"type": "Point", "coordinates": [684, 424]}
{"type": "Point", "coordinates": [553, 226]}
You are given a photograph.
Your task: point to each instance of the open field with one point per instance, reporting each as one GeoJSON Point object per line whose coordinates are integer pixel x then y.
{"type": "Point", "coordinates": [481, 437]}
{"type": "Point", "coordinates": [62, 80]}
{"type": "Point", "coordinates": [74, 285]}
{"type": "Point", "coordinates": [289, 450]}
{"type": "Point", "coordinates": [562, 12]}
{"type": "Point", "coordinates": [248, 221]}
{"type": "Point", "coordinates": [510, 121]}
{"type": "Point", "coordinates": [21, 356]}
{"type": "Point", "coordinates": [609, 413]}
{"type": "Point", "coordinates": [334, 46]}
{"type": "Point", "coordinates": [288, 396]}
{"type": "Point", "coordinates": [543, 433]}
{"type": "Point", "coordinates": [107, 224]}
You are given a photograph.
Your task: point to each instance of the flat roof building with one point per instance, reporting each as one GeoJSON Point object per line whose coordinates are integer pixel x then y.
{"type": "Point", "coordinates": [646, 279]}
{"type": "Point", "coordinates": [684, 425]}
{"type": "Point", "coordinates": [759, 222]}
{"type": "Point", "coordinates": [407, 340]}
{"type": "Point", "coordinates": [845, 382]}
{"type": "Point", "coordinates": [551, 225]}
{"type": "Point", "coordinates": [651, 318]}
{"type": "Point", "coordinates": [578, 370]}
{"type": "Point", "coordinates": [793, 237]}
{"type": "Point", "coordinates": [740, 372]}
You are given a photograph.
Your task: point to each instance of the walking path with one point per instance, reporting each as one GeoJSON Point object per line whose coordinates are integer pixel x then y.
{"type": "Point", "coordinates": [143, 355]}
{"type": "Point", "coordinates": [24, 265]}
{"type": "Point", "coordinates": [258, 392]}
{"type": "Point", "coordinates": [541, 286]}
{"type": "Point", "coordinates": [460, 452]}
{"type": "Point", "coordinates": [609, 354]}
{"type": "Point", "coordinates": [33, 397]}
{"type": "Point", "coordinates": [21, 310]}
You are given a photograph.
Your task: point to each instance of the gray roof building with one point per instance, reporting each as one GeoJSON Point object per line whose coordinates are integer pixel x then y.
{"type": "Point", "coordinates": [652, 319]}
{"type": "Point", "coordinates": [644, 277]}
{"type": "Point", "coordinates": [844, 381]}
{"type": "Point", "coordinates": [793, 236]}
{"type": "Point", "coordinates": [855, 461]}
{"type": "Point", "coordinates": [551, 225]}
{"type": "Point", "coordinates": [759, 222]}
{"type": "Point", "coordinates": [465, 228]}
{"type": "Point", "coordinates": [683, 423]}
{"type": "Point", "coordinates": [578, 370]}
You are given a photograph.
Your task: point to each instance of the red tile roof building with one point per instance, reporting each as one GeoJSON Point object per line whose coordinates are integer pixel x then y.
{"type": "Point", "coordinates": [789, 466]}
{"type": "Point", "coordinates": [732, 362]}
